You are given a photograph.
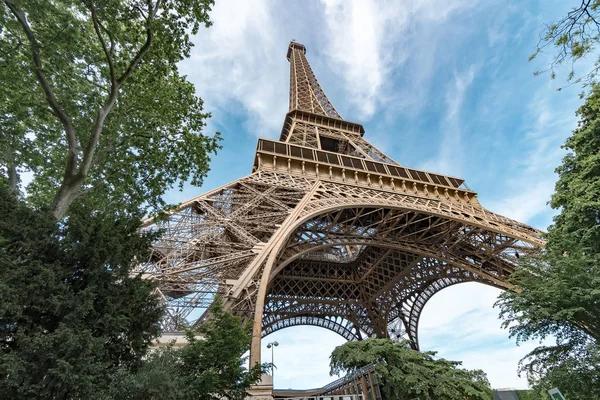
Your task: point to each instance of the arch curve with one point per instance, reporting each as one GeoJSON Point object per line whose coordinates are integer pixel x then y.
{"type": "Point", "coordinates": [475, 218]}
{"type": "Point", "coordinates": [427, 295]}
{"type": "Point", "coordinates": [337, 325]}
{"type": "Point", "coordinates": [470, 214]}
{"type": "Point", "coordinates": [430, 239]}
{"type": "Point", "coordinates": [421, 300]}
{"type": "Point", "coordinates": [434, 248]}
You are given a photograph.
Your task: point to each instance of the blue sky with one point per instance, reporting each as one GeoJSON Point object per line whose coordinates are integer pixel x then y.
{"type": "Point", "coordinates": [438, 85]}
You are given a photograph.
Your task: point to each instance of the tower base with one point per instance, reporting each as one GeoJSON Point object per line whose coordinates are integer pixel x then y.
{"type": "Point", "coordinates": [263, 390]}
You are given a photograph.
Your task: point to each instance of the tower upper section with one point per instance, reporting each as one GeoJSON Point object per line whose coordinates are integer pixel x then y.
{"type": "Point", "coordinates": [314, 122]}
{"type": "Point", "coordinates": [315, 141]}
{"type": "Point", "coordinates": [305, 92]}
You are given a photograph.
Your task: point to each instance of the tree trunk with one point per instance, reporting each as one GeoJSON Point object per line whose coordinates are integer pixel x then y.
{"type": "Point", "coordinates": [11, 169]}
{"type": "Point", "coordinates": [65, 195]}
{"type": "Point", "coordinates": [13, 178]}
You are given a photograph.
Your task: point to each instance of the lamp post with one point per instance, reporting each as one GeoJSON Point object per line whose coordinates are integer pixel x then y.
{"type": "Point", "coordinates": [272, 346]}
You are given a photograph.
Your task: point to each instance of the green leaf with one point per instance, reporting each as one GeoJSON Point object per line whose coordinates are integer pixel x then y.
{"type": "Point", "coordinates": [559, 294]}
{"type": "Point", "coordinates": [406, 374]}
{"type": "Point", "coordinates": [153, 135]}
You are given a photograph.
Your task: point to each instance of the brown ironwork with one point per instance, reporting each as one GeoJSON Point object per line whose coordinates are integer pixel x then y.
{"type": "Point", "coordinates": [360, 384]}
{"type": "Point", "coordinates": [329, 231]}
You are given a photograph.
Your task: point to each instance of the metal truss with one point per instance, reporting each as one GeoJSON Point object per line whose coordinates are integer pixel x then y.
{"type": "Point", "coordinates": [338, 325]}
{"type": "Point", "coordinates": [305, 91]}
{"type": "Point", "coordinates": [328, 231]}
{"type": "Point", "coordinates": [363, 381]}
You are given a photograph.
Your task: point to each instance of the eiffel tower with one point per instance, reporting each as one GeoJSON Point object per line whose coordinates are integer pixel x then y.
{"type": "Point", "coordinates": [328, 231]}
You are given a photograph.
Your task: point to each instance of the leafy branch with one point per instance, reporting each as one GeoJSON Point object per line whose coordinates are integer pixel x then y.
{"type": "Point", "coordinates": [123, 59]}
{"type": "Point", "coordinates": [41, 77]}
{"type": "Point", "coordinates": [575, 36]}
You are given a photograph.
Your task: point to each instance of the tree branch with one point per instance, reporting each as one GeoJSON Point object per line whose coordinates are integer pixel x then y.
{"type": "Point", "coordinates": [107, 52]}
{"type": "Point", "coordinates": [13, 178]}
{"type": "Point", "coordinates": [88, 155]}
{"type": "Point", "coordinates": [90, 149]}
{"type": "Point", "coordinates": [146, 46]}
{"type": "Point", "coordinates": [50, 97]}
{"type": "Point", "coordinates": [96, 84]}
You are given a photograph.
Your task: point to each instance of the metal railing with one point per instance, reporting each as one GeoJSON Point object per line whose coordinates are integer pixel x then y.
{"type": "Point", "coordinates": [348, 378]}
{"type": "Point", "coordinates": [357, 163]}
{"type": "Point", "coordinates": [329, 397]}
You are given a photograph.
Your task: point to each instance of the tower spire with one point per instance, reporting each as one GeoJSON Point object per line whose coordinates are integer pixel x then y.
{"type": "Point", "coordinates": [305, 92]}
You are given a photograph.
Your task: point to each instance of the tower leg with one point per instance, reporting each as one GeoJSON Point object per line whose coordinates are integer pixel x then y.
{"type": "Point", "coordinates": [278, 241]}
{"type": "Point", "coordinates": [263, 390]}
{"type": "Point", "coordinates": [255, 347]}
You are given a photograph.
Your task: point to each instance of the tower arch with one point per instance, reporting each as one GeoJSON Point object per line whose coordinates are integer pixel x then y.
{"type": "Point", "coordinates": [337, 325]}
{"type": "Point", "coordinates": [385, 269]}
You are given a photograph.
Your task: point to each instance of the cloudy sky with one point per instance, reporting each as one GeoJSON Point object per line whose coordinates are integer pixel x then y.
{"type": "Point", "coordinates": [439, 85]}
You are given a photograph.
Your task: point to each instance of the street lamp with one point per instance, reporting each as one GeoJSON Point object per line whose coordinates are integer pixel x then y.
{"type": "Point", "coordinates": [272, 346]}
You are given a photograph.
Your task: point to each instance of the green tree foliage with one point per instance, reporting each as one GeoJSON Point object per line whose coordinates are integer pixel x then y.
{"type": "Point", "coordinates": [559, 288]}
{"type": "Point", "coordinates": [21, 109]}
{"type": "Point", "coordinates": [406, 374]}
{"type": "Point", "coordinates": [70, 313]}
{"type": "Point", "coordinates": [75, 324]}
{"type": "Point", "coordinates": [577, 375]}
{"type": "Point", "coordinates": [209, 367]}
{"type": "Point", "coordinates": [574, 37]}
{"type": "Point", "coordinates": [531, 395]}
{"type": "Point", "coordinates": [94, 102]}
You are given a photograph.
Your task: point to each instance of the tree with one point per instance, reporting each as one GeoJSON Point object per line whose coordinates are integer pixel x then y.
{"type": "Point", "coordinates": [406, 374]}
{"type": "Point", "coordinates": [577, 376]}
{"type": "Point", "coordinates": [99, 85]}
{"type": "Point", "coordinates": [209, 367]}
{"type": "Point", "coordinates": [558, 287]}
{"type": "Point", "coordinates": [575, 36]}
{"type": "Point", "coordinates": [70, 313]}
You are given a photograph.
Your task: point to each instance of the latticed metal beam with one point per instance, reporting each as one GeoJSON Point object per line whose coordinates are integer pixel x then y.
{"type": "Point", "coordinates": [338, 325]}
{"type": "Point", "coordinates": [305, 92]}
{"type": "Point", "coordinates": [328, 231]}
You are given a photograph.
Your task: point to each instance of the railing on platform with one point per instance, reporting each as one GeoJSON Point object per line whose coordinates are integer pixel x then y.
{"type": "Point", "coordinates": [361, 381]}
{"type": "Point", "coordinates": [330, 397]}
{"type": "Point", "coordinates": [323, 157]}
{"type": "Point", "coordinates": [360, 384]}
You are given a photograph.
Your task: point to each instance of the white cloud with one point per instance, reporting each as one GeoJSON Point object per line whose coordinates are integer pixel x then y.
{"type": "Point", "coordinates": [496, 361]}
{"type": "Point", "coordinates": [240, 62]}
{"type": "Point", "coordinates": [368, 41]}
{"type": "Point", "coordinates": [461, 324]}
{"type": "Point", "coordinates": [238, 65]}
{"type": "Point", "coordinates": [302, 357]}
{"type": "Point", "coordinates": [529, 190]}
{"type": "Point", "coordinates": [357, 31]}
{"type": "Point", "coordinates": [457, 300]}
{"type": "Point", "coordinates": [450, 155]}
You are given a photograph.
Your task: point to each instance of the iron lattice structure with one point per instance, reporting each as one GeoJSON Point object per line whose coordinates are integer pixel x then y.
{"type": "Point", "coordinates": [328, 231]}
